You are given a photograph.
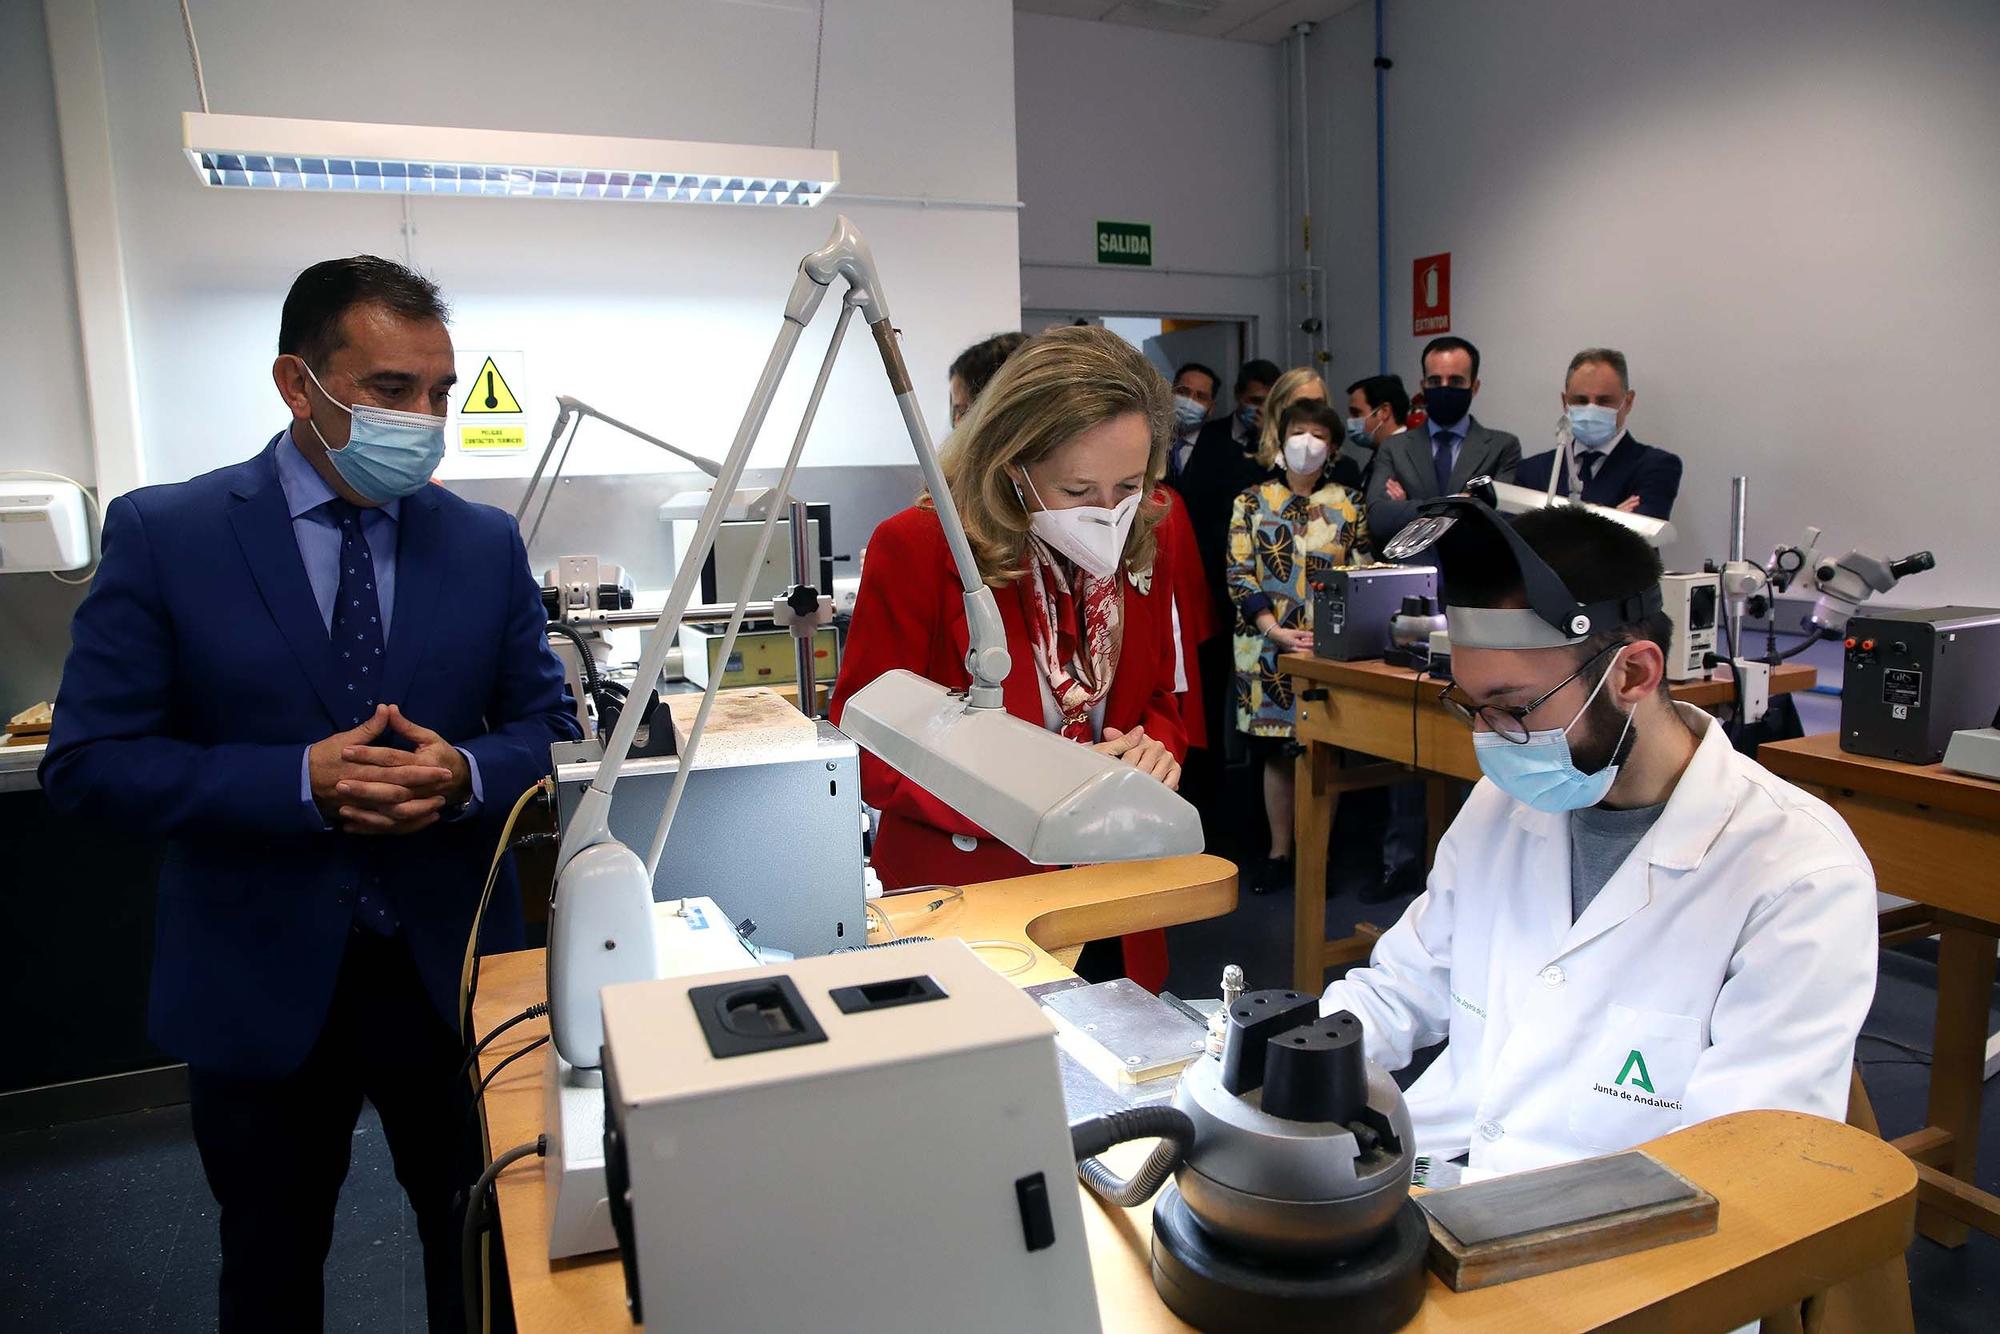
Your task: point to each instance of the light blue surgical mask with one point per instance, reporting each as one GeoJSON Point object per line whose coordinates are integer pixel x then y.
{"type": "Point", "coordinates": [1247, 414]}
{"type": "Point", "coordinates": [388, 454]}
{"type": "Point", "coordinates": [1592, 425]}
{"type": "Point", "coordinates": [1357, 431]}
{"type": "Point", "coordinates": [1540, 772]}
{"type": "Point", "coordinates": [1188, 414]}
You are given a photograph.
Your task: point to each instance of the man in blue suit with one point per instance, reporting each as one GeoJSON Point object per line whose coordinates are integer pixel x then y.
{"type": "Point", "coordinates": [1611, 466]}
{"type": "Point", "coordinates": [323, 682]}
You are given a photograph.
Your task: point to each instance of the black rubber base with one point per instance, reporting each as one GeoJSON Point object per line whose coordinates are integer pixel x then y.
{"type": "Point", "coordinates": [1372, 1291]}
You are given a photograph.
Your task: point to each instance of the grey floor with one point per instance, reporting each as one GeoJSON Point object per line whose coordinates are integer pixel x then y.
{"type": "Point", "coordinates": [106, 1225]}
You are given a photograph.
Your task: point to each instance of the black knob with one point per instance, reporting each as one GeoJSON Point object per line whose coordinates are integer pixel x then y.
{"type": "Point", "coordinates": [1416, 604]}
{"type": "Point", "coordinates": [1316, 1072]}
{"type": "Point", "coordinates": [1256, 1018]}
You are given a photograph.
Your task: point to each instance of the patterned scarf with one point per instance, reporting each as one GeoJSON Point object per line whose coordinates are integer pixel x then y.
{"type": "Point", "coordinates": [1077, 654]}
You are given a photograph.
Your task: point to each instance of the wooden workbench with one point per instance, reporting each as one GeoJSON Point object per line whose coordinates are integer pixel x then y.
{"type": "Point", "coordinates": [1805, 1202]}
{"type": "Point", "coordinates": [1392, 727]}
{"type": "Point", "coordinates": [1934, 837]}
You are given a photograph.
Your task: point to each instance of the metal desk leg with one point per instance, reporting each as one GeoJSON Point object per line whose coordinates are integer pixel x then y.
{"type": "Point", "coordinates": [1314, 801]}
{"type": "Point", "coordinates": [1958, 1062]}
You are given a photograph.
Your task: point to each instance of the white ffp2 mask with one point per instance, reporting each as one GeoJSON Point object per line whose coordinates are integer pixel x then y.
{"type": "Point", "coordinates": [1305, 452]}
{"type": "Point", "coordinates": [1090, 535]}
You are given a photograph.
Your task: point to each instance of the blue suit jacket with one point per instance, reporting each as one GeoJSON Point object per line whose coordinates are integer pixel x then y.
{"type": "Point", "coordinates": [199, 669]}
{"type": "Point", "coordinates": [1630, 469]}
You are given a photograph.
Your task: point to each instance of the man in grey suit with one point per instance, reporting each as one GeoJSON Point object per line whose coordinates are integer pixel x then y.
{"type": "Point", "coordinates": [1450, 450]}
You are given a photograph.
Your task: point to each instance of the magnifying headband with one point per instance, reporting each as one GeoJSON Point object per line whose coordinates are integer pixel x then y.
{"type": "Point", "coordinates": [1468, 533]}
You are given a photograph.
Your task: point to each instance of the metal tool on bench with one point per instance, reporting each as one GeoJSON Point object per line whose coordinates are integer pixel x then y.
{"type": "Point", "coordinates": [1289, 1208]}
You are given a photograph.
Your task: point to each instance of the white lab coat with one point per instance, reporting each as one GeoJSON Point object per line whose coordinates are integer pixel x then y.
{"type": "Point", "coordinates": [1727, 964]}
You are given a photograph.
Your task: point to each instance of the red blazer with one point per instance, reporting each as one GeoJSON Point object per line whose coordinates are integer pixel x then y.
{"type": "Point", "coordinates": [1180, 567]}
{"type": "Point", "coordinates": [909, 613]}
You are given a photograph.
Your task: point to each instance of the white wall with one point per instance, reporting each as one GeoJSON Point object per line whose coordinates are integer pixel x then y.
{"type": "Point", "coordinates": [659, 314]}
{"type": "Point", "coordinates": [1125, 123]}
{"type": "Point", "coordinates": [41, 357]}
{"type": "Point", "coordinates": [1783, 212]}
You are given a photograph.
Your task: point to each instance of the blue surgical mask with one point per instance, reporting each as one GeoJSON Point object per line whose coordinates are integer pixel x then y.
{"type": "Point", "coordinates": [1188, 414]}
{"type": "Point", "coordinates": [1540, 772]}
{"type": "Point", "coordinates": [1592, 425]}
{"type": "Point", "coordinates": [388, 454]}
{"type": "Point", "coordinates": [1247, 414]}
{"type": "Point", "coordinates": [1357, 431]}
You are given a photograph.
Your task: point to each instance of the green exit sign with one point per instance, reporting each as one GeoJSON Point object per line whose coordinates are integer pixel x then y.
{"type": "Point", "coordinates": [1125, 243]}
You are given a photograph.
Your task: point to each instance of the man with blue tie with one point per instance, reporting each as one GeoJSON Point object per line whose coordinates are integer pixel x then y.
{"type": "Point", "coordinates": [1611, 466]}
{"type": "Point", "coordinates": [1451, 450]}
{"type": "Point", "coordinates": [322, 682]}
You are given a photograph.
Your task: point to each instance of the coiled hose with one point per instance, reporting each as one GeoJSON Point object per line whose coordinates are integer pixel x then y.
{"type": "Point", "coordinates": [1170, 1125]}
{"type": "Point", "coordinates": [593, 684]}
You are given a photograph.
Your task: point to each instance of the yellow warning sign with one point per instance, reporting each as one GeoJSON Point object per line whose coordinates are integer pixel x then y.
{"type": "Point", "coordinates": [489, 392]}
{"type": "Point", "coordinates": [479, 438]}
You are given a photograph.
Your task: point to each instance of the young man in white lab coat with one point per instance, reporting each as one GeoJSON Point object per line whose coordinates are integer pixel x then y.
{"type": "Point", "coordinates": [1630, 927]}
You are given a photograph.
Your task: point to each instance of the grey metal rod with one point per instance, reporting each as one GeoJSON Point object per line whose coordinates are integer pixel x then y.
{"type": "Point", "coordinates": [707, 465]}
{"type": "Point", "coordinates": [562, 419]}
{"type": "Point", "coordinates": [685, 766]}
{"type": "Point", "coordinates": [1739, 497]}
{"type": "Point", "coordinates": [804, 644]}
{"type": "Point", "coordinates": [592, 822]}
{"type": "Point", "coordinates": [554, 477]}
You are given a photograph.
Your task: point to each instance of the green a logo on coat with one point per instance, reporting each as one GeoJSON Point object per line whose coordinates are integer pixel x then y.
{"type": "Point", "coordinates": [1635, 1062]}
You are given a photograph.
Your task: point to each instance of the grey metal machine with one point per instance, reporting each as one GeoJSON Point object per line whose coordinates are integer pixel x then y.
{"type": "Point", "coordinates": [1693, 603]}
{"type": "Point", "coordinates": [770, 828]}
{"type": "Point", "coordinates": [1289, 1208]}
{"type": "Point", "coordinates": [1354, 605]}
{"type": "Point", "coordinates": [1915, 677]}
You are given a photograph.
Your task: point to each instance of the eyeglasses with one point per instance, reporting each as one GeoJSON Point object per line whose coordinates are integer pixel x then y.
{"type": "Point", "coordinates": [1509, 722]}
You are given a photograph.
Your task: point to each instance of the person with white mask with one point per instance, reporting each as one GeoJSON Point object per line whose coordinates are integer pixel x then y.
{"type": "Point", "coordinates": [1054, 474]}
{"type": "Point", "coordinates": [1629, 927]}
{"type": "Point", "coordinates": [1597, 458]}
{"type": "Point", "coordinates": [1283, 533]}
{"type": "Point", "coordinates": [1195, 386]}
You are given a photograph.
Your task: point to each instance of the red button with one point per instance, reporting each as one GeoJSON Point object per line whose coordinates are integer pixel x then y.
{"type": "Point", "coordinates": [1868, 645]}
{"type": "Point", "coordinates": [1850, 641]}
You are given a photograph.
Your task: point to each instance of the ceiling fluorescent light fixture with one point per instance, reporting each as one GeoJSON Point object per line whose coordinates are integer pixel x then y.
{"type": "Point", "coordinates": [274, 153]}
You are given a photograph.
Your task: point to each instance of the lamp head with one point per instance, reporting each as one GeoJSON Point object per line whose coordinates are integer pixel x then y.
{"type": "Point", "coordinates": [1051, 800]}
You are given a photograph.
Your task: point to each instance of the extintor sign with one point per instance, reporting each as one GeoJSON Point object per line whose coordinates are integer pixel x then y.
{"type": "Point", "coordinates": [1430, 295]}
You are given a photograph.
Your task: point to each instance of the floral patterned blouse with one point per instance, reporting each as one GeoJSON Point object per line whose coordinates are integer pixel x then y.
{"type": "Point", "coordinates": [1279, 542]}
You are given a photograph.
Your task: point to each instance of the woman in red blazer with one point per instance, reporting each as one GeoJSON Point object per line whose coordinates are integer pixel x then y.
{"type": "Point", "coordinates": [1052, 473]}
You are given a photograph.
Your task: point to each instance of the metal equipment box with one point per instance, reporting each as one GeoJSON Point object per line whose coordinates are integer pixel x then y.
{"type": "Point", "coordinates": [769, 827]}
{"type": "Point", "coordinates": [1915, 677]}
{"type": "Point", "coordinates": [1353, 605]}
{"type": "Point", "coordinates": [1692, 602]}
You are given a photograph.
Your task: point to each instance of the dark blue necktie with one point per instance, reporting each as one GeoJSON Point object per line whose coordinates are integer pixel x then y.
{"type": "Point", "coordinates": [356, 629]}
{"type": "Point", "coordinates": [1588, 465]}
{"type": "Point", "coordinates": [1441, 460]}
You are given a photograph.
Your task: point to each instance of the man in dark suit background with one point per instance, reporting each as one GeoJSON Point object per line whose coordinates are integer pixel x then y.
{"type": "Point", "coordinates": [322, 681]}
{"type": "Point", "coordinates": [1451, 450]}
{"type": "Point", "coordinates": [1378, 407]}
{"type": "Point", "coordinates": [1221, 466]}
{"type": "Point", "coordinates": [1612, 467]}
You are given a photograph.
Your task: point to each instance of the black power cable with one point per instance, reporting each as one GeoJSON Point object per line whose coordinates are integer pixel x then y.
{"type": "Point", "coordinates": [535, 1011]}
{"type": "Point", "coordinates": [479, 1094]}
{"type": "Point", "coordinates": [475, 1223]}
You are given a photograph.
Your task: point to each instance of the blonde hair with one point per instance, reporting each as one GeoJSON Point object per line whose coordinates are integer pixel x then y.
{"type": "Point", "coordinates": [1276, 403]}
{"type": "Point", "coordinates": [1060, 384]}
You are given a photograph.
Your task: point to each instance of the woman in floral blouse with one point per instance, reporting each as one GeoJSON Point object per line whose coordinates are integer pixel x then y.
{"type": "Point", "coordinates": [1284, 533]}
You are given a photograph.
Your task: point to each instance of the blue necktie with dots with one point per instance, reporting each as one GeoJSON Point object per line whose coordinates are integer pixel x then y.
{"type": "Point", "coordinates": [356, 629]}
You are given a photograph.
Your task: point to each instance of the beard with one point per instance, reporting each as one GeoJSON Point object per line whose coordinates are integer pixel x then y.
{"type": "Point", "coordinates": [1595, 740]}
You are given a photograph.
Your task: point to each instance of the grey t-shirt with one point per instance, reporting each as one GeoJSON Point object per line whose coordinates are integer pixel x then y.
{"type": "Point", "coordinates": [1600, 839]}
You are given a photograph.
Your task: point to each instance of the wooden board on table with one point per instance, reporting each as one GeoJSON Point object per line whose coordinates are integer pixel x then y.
{"type": "Point", "coordinates": [1576, 1213]}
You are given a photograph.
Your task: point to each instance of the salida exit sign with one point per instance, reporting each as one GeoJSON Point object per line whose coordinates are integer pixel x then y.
{"type": "Point", "coordinates": [1125, 243]}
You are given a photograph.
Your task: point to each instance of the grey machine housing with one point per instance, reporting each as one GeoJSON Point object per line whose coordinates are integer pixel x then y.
{"type": "Point", "coordinates": [769, 827]}
{"type": "Point", "coordinates": [1914, 677]}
